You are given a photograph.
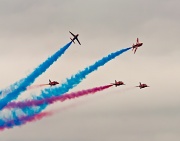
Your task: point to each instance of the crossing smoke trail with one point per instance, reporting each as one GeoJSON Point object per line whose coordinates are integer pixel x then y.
{"type": "Point", "coordinates": [24, 83]}
{"type": "Point", "coordinates": [56, 98]}
{"type": "Point", "coordinates": [65, 87]}
{"type": "Point", "coordinates": [25, 119]}
{"type": "Point", "coordinates": [74, 80]}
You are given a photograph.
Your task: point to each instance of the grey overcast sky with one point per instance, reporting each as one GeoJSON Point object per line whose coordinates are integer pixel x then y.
{"type": "Point", "coordinates": [32, 30]}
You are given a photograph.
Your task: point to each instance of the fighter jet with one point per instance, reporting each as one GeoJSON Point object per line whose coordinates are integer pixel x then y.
{"type": "Point", "coordinates": [53, 83]}
{"type": "Point", "coordinates": [142, 85]}
{"type": "Point", "coordinates": [118, 83]}
{"type": "Point", "coordinates": [75, 37]}
{"type": "Point", "coordinates": [135, 46]}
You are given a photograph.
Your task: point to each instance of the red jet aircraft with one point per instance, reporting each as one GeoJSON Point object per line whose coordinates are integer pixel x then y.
{"type": "Point", "coordinates": [75, 37]}
{"type": "Point", "coordinates": [118, 83]}
{"type": "Point", "coordinates": [142, 85]}
{"type": "Point", "coordinates": [53, 83]}
{"type": "Point", "coordinates": [135, 46]}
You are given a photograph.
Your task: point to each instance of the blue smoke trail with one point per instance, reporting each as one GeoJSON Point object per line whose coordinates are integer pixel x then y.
{"type": "Point", "coordinates": [24, 83]}
{"type": "Point", "coordinates": [74, 80]}
{"type": "Point", "coordinates": [70, 83]}
{"type": "Point", "coordinates": [16, 116]}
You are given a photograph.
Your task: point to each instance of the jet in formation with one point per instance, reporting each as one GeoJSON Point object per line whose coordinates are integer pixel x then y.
{"type": "Point", "coordinates": [142, 85]}
{"type": "Point", "coordinates": [53, 83]}
{"type": "Point", "coordinates": [118, 83]}
{"type": "Point", "coordinates": [135, 46]}
{"type": "Point", "coordinates": [75, 37]}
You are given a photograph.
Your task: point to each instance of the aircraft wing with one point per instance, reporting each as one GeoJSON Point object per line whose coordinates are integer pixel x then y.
{"type": "Point", "coordinates": [135, 50]}
{"type": "Point", "coordinates": [137, 40]}
{"type": "Point", "coordinates": [71, 33]}
{"type": "Point", "coordinates": [78, 41]}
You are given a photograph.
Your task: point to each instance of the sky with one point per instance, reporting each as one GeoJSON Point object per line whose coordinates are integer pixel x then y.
{"type": "Point", "coordinates": [33, 30]}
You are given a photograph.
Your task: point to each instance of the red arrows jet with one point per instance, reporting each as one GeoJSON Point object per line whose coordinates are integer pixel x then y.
{"type": "Point", "coordinates": [135, 46]}
{"type": "Point", "coordinates": [142, 85]}
{"type": "Point", "coordinates": [75, 37]}
{"type": "Point", "coordinates": [53, 83]}
{"type": "Point", "coordinates": [118, 83]}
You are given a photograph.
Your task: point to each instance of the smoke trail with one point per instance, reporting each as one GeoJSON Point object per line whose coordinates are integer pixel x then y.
{"type": "Point", "coordinates": [22, 85]}
{"type": "Point", "coordinates": [25, 119]}
{"type": "Point", "coordinates": [74, 80]}
{"type": "Point", "coordinates": [53, 99]}
{"type": "Point", "coordinates": [35, 86]}
{"type": "Point", "coordinates": [69, 84]}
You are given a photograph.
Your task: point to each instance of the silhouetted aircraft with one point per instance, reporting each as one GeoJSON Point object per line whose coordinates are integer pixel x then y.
{"type": "Point", "coordinates": [75, 37]}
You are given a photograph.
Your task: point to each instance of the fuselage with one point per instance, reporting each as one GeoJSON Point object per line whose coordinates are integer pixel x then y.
{"type": "Point", "coordinates": [53, 83]}
{"type": "Point", "coordinates": [143, 86]}
{"type": "Point", "coordinates": [118, 83]}
{"type": "Point", "coordinates": [137, 45]}
{"type": "Point", "coordinates": [75, 37]}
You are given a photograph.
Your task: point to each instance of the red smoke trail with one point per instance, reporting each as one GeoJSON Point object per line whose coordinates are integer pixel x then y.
{"type": "Point", "coordinates": [56, 98]}
{"type": "Point", "coordinates": [27, 119]}
{"type": "Point", "coordinates": [36, 86]}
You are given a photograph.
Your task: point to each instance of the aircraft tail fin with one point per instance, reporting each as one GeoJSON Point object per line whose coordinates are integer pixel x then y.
{"type": "Point", "coordinates": [137, 40]}
{"type": "Point", "coordinates": [72, 40]}
{"type": "Point", "coordinates": [49, 81]}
